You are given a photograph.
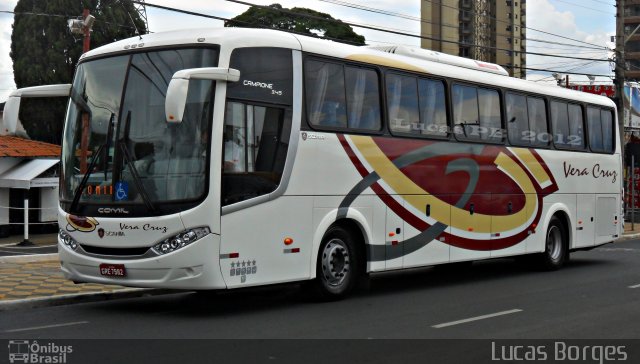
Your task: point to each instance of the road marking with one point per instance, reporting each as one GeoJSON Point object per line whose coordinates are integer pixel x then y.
{"type": "Point", "coordinates": [636, 286]}
{"type": "Point", "coordinates": [446, 324]}
{"type": "Point", "coordinates": [49, 326]}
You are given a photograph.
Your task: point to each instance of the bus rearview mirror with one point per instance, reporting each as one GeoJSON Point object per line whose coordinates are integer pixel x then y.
{"type": "Point", "coordinates": [176, 99]}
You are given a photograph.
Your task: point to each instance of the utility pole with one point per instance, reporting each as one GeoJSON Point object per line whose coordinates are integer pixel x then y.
{"type": "Point", "coordinates": [620, 68]}
{"type": "Point", "coordinates": [83, 27]}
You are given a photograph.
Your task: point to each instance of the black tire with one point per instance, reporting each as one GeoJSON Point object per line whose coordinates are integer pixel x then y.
{"type": "Point", "coordinates": [556, 251]}
{"type": "Point", "coordinates": [339, 265]}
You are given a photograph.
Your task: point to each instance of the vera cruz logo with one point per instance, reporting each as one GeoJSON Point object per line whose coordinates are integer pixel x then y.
{"type": "Point", "coordinates": [469, 196]}
{"type": "Point", "coordinates": [81, 223]}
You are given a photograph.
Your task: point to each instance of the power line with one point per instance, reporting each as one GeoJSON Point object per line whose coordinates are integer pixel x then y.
{"type": "Point", "coordinates": [585, 7]}
{"type": "Point", "coordinates": [62, 16]}
{"type": "Point", "coordinates": [378, 28]}
{"type": "Point", "coordinates": [227, 19]}
{"type": "Point", "coordinates": [506, 22]}
{"type": "Point", "coordinates": [409, 17]}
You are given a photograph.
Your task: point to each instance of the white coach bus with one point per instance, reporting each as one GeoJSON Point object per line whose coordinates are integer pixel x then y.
{"type": "Point", "coordinates": [226, 158]}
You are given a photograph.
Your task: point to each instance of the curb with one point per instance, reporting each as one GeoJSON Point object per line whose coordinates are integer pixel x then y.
{"type": "Point", "coordinates": [87, 297]}
{"type": "Point", "coordinates": [29, 258]}
{"type": "Point", "coordinates": [629, 236]}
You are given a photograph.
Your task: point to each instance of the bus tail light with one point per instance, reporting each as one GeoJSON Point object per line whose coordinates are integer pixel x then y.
{"type": "Point", "coordinates": [180, 240]}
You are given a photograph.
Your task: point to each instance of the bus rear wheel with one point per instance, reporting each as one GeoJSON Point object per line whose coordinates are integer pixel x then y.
{"type": "Point", "coordinates": [338, 266]}
{"type": "Point", "coordinates": [556, 250]}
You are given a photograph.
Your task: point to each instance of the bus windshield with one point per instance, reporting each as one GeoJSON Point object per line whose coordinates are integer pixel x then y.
{"type": "Point", "coordinates": [118, 149]}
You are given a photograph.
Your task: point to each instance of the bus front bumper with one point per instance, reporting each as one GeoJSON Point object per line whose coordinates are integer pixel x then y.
{"type": "Point", "coordinates": [195, 266]}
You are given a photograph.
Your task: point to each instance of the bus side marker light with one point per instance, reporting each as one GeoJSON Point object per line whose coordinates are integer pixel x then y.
{"type": "Point", "coordinates": [292, 250]}
{"type": "Point", "coordinates": [288, 241]}
{"type": "Point", "coordinates": [579, 222]}
{"type": "Point", "coordinates": [470, 229]}
{"type": "Point", "coordinates": [394, 242]}
{"type": "Point", "coordinates": [234, 255]}
{"type": "Point", "coordinates": [392, 234]}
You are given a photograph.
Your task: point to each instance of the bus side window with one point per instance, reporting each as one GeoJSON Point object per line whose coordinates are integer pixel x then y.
{"type": "Point", "coordinates": [539, 133]}
{"type": "Point", "coordinates": [256, 140]}
{"type": "Point", "coordinates": [517, 120]}
{"type": "Point", "coordinates": [363, 98]}
{"type": "Point", "coordinates": [607, 131]}
{"type": "Point", "coordinates": [595, 129]}
{"type": "Point", "coordinates": [576, 127]}
{"type": "Point", "coordinates": [325, 90]}
{"type": "Point", "coordinates": [477, 114]}
{"type": "Point", "coordinates": [402, 101]}
{"type": "Point", "coordinates": [433, 107]}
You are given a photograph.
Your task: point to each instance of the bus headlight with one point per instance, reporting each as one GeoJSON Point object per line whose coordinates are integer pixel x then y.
{"type": "Point", "coordinates": [67, 240]}
{"type": "Point", "coordinates": [180, 240]}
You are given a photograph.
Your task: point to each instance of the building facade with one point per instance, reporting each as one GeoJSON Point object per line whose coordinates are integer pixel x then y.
{"type": "Point", "coordinates": [486, 30]}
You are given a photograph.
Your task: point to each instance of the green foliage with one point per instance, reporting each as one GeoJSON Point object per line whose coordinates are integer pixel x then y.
{"type": "Point", "coordinates": [325, 26]}
{"type": "Point", "coordinates": [45, 52]}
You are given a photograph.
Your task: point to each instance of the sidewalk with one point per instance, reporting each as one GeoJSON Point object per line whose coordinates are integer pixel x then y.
{"type": "Point", "coordinates": [34, 278]}
{"type": "Point", "coordinates": [628, 232]}
{"type": "Point", "coordinates": [30, 276]}
{"type": "Point", "coordinates": [42, 244]}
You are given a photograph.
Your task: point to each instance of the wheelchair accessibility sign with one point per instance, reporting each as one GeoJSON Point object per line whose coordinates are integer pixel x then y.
{"type": "Point", "coordinates": [122, 191]}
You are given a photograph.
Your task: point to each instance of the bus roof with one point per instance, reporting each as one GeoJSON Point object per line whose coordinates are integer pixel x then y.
{"type": "Point", "coordinates": [230, 38]}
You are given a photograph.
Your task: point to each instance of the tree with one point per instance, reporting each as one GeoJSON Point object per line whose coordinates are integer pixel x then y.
{"type": "Point", "coordinates": [311, 22]}
{"type": "Point", "coordinates": [45, 52]}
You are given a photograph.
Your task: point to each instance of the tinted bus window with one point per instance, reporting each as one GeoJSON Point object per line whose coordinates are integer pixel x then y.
{"type": "Point", "coordinates": [262, 81]}
{"type": "Point", "coordinates": [363, 98]}
{"type": "Point", "coordinates": [465, 112]}
{"type": "Point", "coordinates": [595, 129]}
{"type": "Point", "coordinates": [433, 107]}
{"type": "Point", "coordinates": [490, 116]}
{"type": "Point", "coordinates": [325, 92]}
{"type": "Point", "coordinates": [607, 131]}
{"type": "Point", "coordinates": [402, 101]}
{"type": "Point", "coordinates": [560, 124]}
{"type": "Point", "coordinates": [576, 127]}
{"type": "Point", "coordinates": [538, 133]}
{"type": "Point", "coordinates": [476, 113]}
{"type": "Point", "coordinates": [517, 119]}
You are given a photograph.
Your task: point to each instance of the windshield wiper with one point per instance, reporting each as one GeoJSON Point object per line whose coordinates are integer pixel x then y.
{"type": "Point", "coordinates": [85, 178]}
{"type": "Point", "coordinates": [105, 161]}
{"type": "Point", "coordinates": [122, 144]}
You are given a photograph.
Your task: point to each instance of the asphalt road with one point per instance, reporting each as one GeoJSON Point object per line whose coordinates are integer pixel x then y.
{"type": "Point", "coordinates": [597, 296]}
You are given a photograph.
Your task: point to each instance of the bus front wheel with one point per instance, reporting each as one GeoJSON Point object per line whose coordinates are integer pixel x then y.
{"type": "Point", "coordinates": [338, 266]}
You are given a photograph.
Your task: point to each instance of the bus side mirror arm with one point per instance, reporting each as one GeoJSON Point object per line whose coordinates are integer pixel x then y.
{"type": "Point", "coordinates": [176, 99]}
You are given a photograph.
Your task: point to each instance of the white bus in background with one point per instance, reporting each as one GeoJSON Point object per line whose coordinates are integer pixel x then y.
{"type": "Point", "coordinates": [11, 123]}
{"type": "Point", "coordinates": [225, 158]}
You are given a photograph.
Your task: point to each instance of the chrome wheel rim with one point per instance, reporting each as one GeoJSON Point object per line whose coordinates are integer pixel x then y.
{"type": "Point", "coordinates": [335, 262]}
{"type": "Point", "coordinates": [554, 243]}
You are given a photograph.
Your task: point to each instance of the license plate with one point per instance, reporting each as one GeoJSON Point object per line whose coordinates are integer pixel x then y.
{"type": "Point", "coordinates": [113, 270]}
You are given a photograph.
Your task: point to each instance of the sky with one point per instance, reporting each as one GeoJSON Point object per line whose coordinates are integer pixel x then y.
{"type": "Point", "coordinates": [590, 21]}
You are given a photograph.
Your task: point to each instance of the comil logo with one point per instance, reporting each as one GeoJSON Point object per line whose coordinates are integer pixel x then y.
{"type": "Point", "coordinates": [26, 351]}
